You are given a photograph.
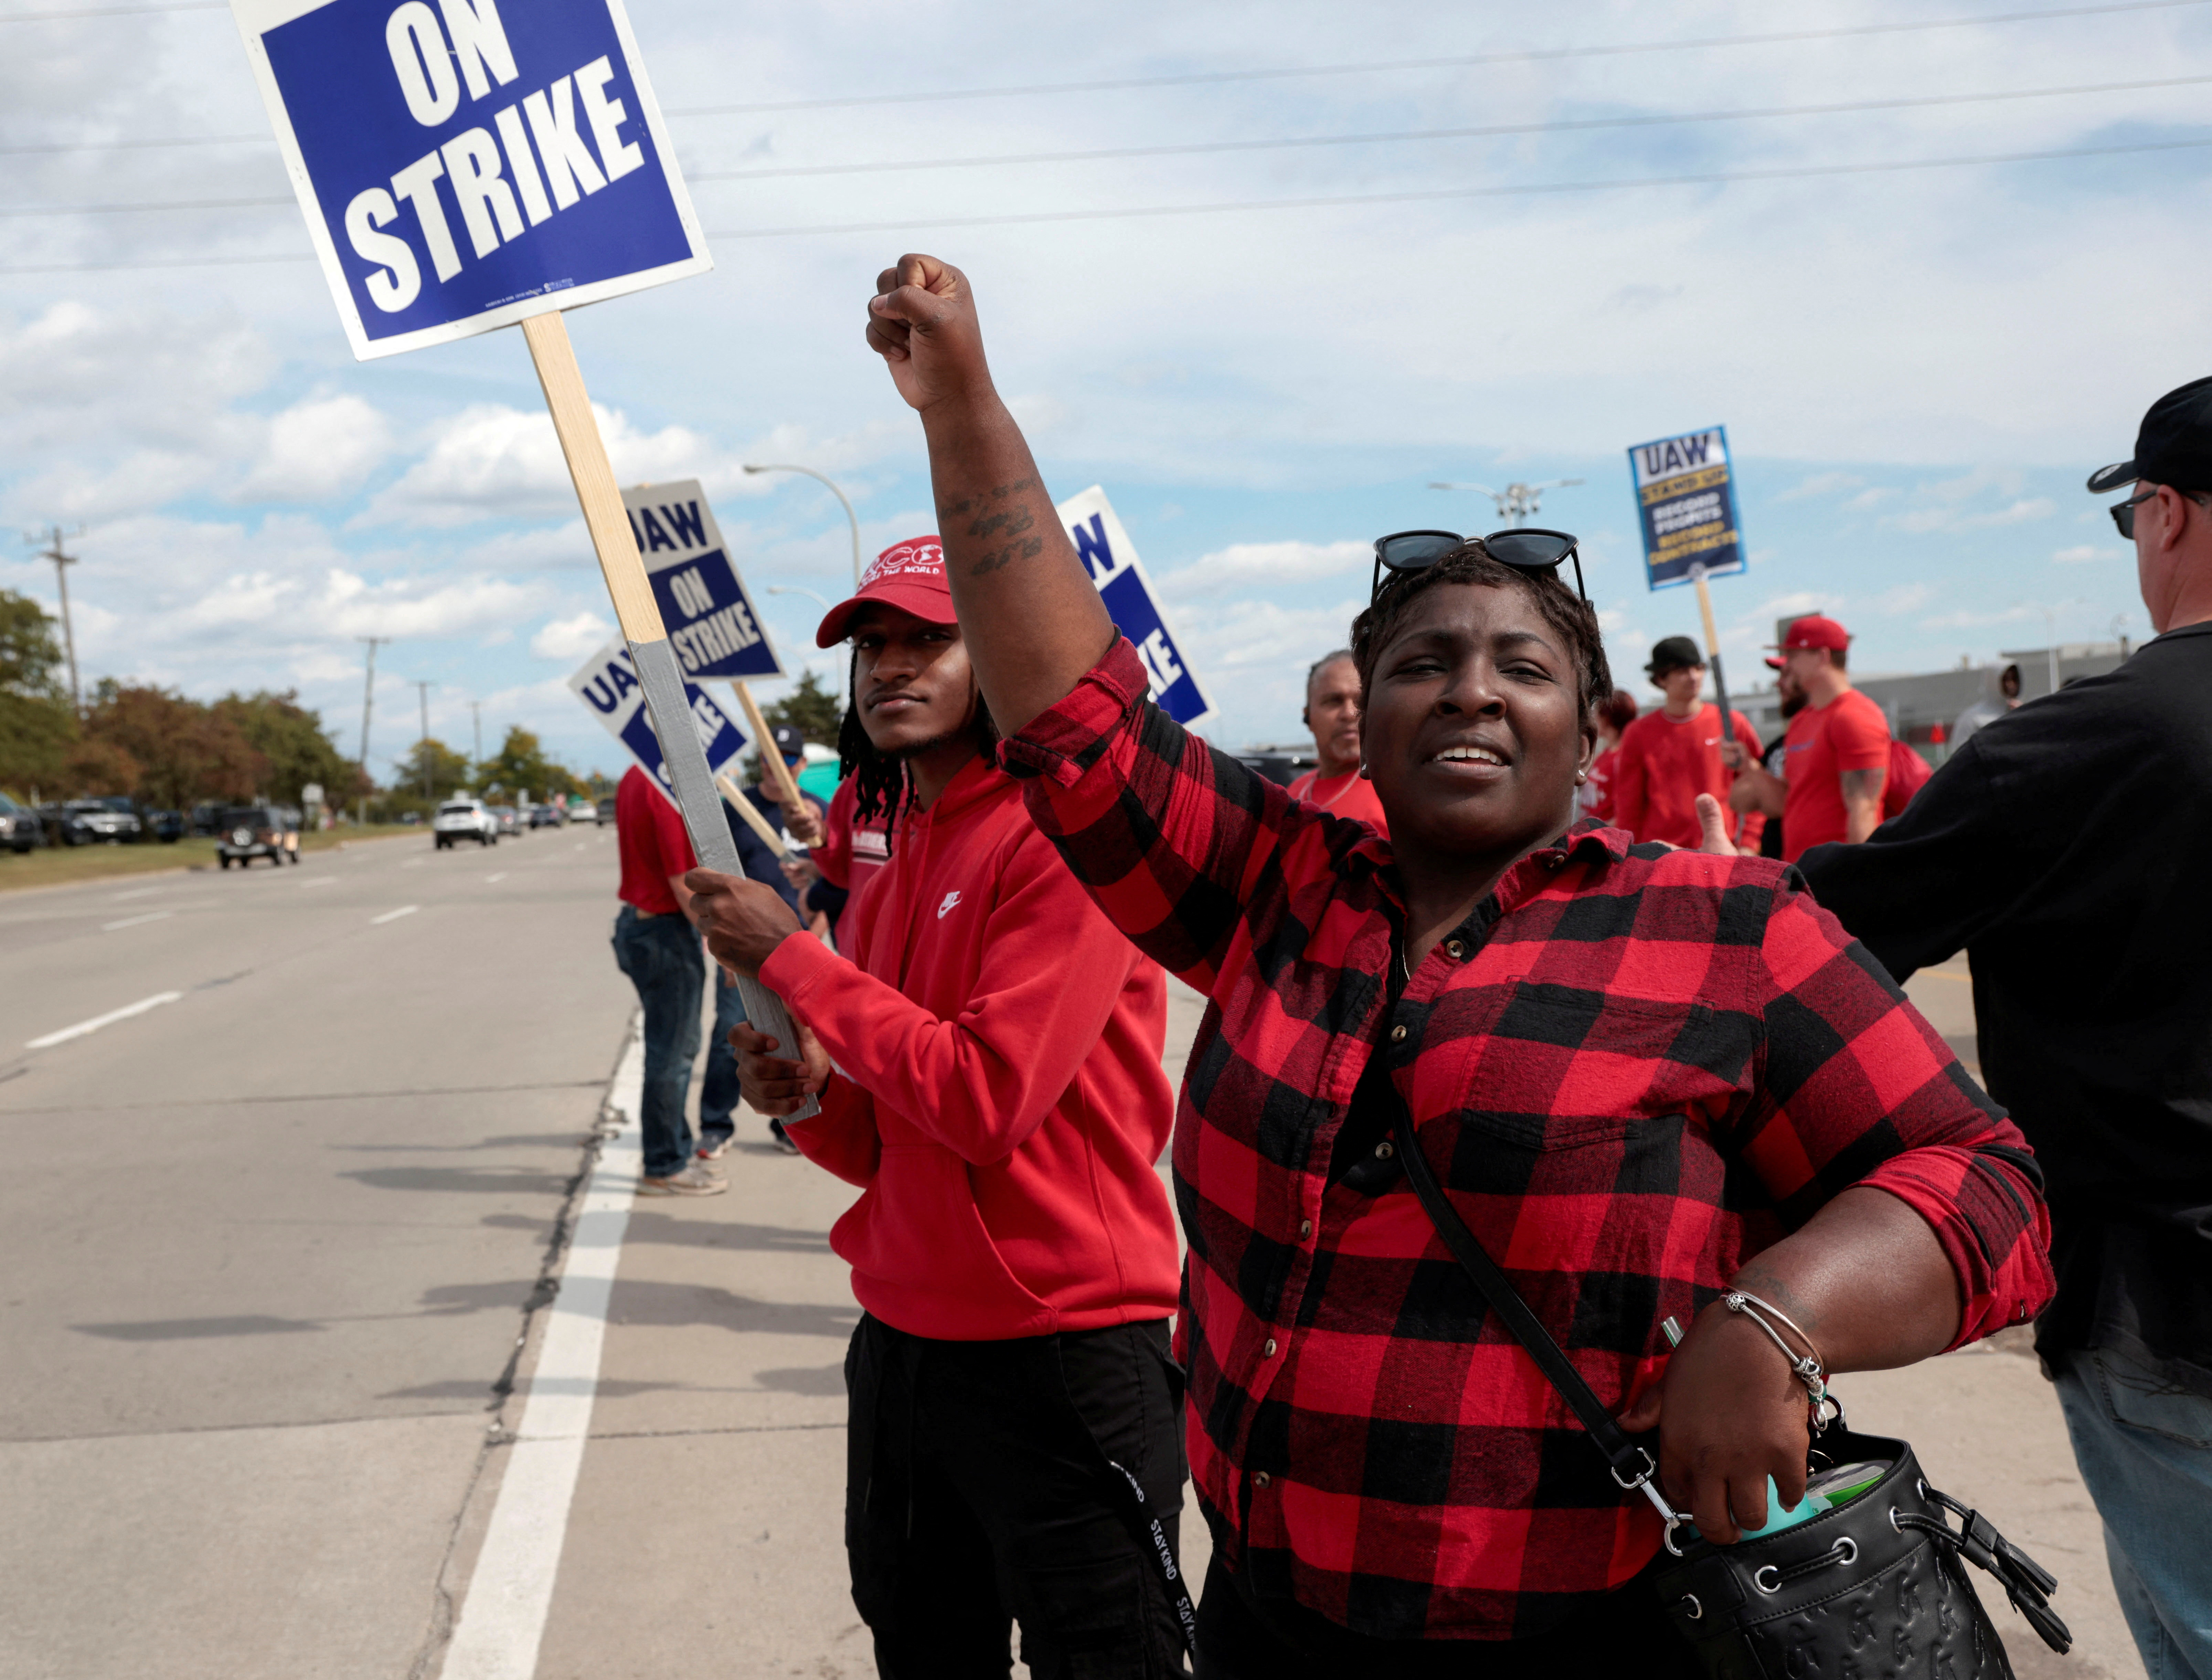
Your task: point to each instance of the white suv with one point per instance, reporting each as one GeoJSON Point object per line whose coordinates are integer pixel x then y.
{"type": "Point", "coordinates": [464, 819]}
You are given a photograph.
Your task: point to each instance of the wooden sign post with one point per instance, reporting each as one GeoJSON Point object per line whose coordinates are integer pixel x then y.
{"type": "Point", "coordinates": [658, 674]}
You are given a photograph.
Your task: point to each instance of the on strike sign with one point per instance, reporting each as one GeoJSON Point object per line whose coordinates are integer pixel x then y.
{"type": "Point", "coordinates": [711, 620]}
{"type": "Point", "coordinates": [608, 684]}
{"type": "Point", "coordinates": [1686, 500]}
{"type": "Point", "coordinates": [1121, 579]}
{"type": "Point", "coordinates": [461, 167]}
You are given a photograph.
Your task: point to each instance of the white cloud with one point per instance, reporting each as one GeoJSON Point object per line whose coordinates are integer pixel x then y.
{"type": "Point", "coordinates": [1905, 599]}
{"type": "Point", "coordinates": [571, 638]}
{"type": "Point", "coordinates": [317, 451]}
{"type": "Point", "coordinates": [2084, 553]}
{"type": "Point", "coordinates": [1822, 483]}
{"type": "Point", "coordinates": [2017, 512]}
{"type": "Point", "coordinates": [1265, 565]}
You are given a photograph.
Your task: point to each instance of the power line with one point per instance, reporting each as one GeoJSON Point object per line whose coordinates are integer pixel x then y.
{"type": "Point", "coordinates": [1461, 61]}
{"type": "Point", "coordinates": [138, 146]}
{"type": "Point", "coordinates": [1489, 130]}
{"type": "Point", "coordinates": [113, 11]}
{"type": "Point", "coordinates": [1717, 177]}
{"type": "Point", "coordinates": [1485, 131]}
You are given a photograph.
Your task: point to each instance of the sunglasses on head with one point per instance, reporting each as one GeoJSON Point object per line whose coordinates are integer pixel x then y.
{"type": "Point", "coordinates": [1526, 550]}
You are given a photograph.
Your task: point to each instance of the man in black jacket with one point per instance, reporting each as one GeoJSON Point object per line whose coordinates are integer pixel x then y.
{"type": "Point", "coordinates": [2065, 848]}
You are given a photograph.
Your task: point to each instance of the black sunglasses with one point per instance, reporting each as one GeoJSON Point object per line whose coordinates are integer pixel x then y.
{"type": "Point", "coordinates": [1525, 550]}
{"type": "Point", "coordinates": [2123, 513]}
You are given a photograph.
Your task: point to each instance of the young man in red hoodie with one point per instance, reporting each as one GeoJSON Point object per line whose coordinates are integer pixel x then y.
{"type": "Point", "coordinates": [987, 1058]}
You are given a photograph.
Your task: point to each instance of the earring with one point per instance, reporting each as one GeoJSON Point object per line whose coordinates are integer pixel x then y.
{"type": "Point", "coordinates": [1581, 777]}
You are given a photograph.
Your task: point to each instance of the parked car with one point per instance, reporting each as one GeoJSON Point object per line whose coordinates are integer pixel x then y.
{"type": "Point", "coordinates": [551, 814]}
{"type": "Point", "coordinates": [581, 810]}
{"type": "Point", "coordinates": [606, 810]}
{"type": "Point", "coordinates": [167, 826]}
{"type": "Point", "coordinates": [464, 819]}
{"type": "Point", "coordinates": [20, 827]}
{"type": "Point", "coordinates": [248, 831]}
{"type": "Point", "coordinates": [91, 822]}
{"type": "Point", "coordinates": [510, 819]}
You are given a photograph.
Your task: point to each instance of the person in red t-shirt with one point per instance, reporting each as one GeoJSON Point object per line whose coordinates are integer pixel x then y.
{"type": "Point", "coordinates": [986, 1050]}
{"type": "Point", "coordinates": [1836, 757]}
{"type": "Point", "coordinates": [1594, 797]}
{"type": "Point", "coordinates": [1667, 758]}
{"type": "Point", "coordinates": [1336, 783]}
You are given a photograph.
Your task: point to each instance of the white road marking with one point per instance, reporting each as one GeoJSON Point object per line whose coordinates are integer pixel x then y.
{"type": "Point", "coordinates": [393, 916]}
{"type": "Point", "coordinates": [501, 876]}
{"type": "Point", "coordinates": [114, 1015]}
{"type": "Point", "coordinates": [133, 921]}
{"type": "Point", "coordinates": [318, 880]}
{"type": "Point", "coordinates": [580, 845]}
{"type": "Point", "coordinates": [501, 1621]}
{"type": "Point", "coordinates": [140, 892]}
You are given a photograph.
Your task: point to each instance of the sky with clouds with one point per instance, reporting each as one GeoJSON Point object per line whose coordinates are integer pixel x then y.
{"type": "Point", "coordinates": [1917, 359]}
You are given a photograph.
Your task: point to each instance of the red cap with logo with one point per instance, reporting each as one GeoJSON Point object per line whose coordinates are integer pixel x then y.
{"type": "Point", "coordinates": [1811, 631]}
{"type": "Point", "coordinates": [909, 575]}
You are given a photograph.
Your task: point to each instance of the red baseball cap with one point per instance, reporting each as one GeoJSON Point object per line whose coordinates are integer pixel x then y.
{"type": "Point", "coordinates": [909, 575]}
{"type": "Point", "coordinates": [1813, 631]}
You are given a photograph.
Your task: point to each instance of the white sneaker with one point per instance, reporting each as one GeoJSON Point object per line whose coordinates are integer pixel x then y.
{"type": "Point", "coordinates": [692, 1180]}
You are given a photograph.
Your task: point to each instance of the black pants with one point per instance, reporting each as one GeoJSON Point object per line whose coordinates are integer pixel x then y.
{"type": "Point", "coordinates": [976, 1495]}
{"type": "Point", "coordinates": [1628, 1638]}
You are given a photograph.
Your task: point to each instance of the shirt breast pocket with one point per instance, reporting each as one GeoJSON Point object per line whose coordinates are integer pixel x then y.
{"type": "Point", "coordinates": [1575, 1091]}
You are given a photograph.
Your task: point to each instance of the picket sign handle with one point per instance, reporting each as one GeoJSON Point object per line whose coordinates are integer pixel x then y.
{"type": "Point", "coordinates": [658, 674]}
{"type": "Point", "coordinates": [745, 808]}
{"type": "Point", "coordinates": [1713, 652]}
{"type": "Point", "coordinates": [786, 784]}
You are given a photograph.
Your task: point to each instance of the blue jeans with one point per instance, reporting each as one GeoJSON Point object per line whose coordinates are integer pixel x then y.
{"type": "Point", "coordinates": [718, 1092]}
{"type": "Point", "coordinates": [660, 954]}
{"type": "Point", "coordinates": [2145, 1450]}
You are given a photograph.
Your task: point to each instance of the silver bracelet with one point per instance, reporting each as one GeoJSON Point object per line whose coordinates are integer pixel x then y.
{"type": "Point", "coordinates": [1805, 1366]}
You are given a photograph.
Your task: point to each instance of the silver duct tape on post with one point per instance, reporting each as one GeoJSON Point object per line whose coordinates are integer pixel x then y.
{"type": "Point", "coordinates": [696, 796]}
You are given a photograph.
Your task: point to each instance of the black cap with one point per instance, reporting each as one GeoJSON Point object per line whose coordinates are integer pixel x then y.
{"type": "Point", "coordinates": [788, 741]}
{"type": "Point", "coordinates": [2173, 446]}
{"type": "Point", "coordinates": [1673, 653]}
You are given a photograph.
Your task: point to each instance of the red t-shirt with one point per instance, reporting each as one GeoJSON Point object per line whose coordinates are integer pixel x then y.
{"type": "Point", "coordinates": [851, 852]}
{"type": "Point", "coordinates": [1664, 763]}
{"type": "Point", "coordinates": [1848, 734]}
{"type": "Point", "coordinates": [1351, 795]}
{"type": "Point", "coordinates": [649, 834]}
{"type": "Point", "coordinates": [1908, 775]}
{"type": "Point", "coordinates": [1594, 797]}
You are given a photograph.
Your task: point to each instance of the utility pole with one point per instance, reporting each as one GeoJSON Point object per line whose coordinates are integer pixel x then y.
{"type": "Point", "coordinates": [63, 560]}
{"type": "Point", "coordinates": [475, 708]}
{"type": "Point", "coordinates": [367, 701]}
{"type": "Point", "coordinates": [423, 752]}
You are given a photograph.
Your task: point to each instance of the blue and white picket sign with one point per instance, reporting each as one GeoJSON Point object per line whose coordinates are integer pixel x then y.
{"type": "Point", "coordinates": [607, 684]}
{"type": "Point", "coordinates": [1111, 559]}
{"type": "Point", "coordinates": [711, 620]}
{"type": "Point", "coordinates": [461, 167]}
{"type": "Point", "coordinates": [1686, 502]}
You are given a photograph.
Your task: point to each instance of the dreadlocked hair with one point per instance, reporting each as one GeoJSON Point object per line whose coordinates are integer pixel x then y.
{"type": "Point", "coordinates": [880, 783]}
{"type": "Point", "coordinates": [1570, 617]}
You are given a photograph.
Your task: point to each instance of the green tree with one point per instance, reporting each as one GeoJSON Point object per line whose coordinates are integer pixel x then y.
{"type": "Point", "coordinates": [296, 744]}
{"type": "Point", "coordinates": [164, 749]}
{"type": "Point", "coordinates": [37, 728]}
{"type": "Point", "coordinates": [447, 774]}
{"type": "Point", "coordinates": [521, 767]}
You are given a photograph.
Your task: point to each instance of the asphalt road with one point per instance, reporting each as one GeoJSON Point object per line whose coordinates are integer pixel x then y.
{"type": "Point", "coordinates": [265, 1246]}
{"type": "Point", "coordinates": [273, 1252]}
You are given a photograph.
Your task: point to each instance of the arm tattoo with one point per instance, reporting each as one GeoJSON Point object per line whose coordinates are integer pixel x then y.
{"type": "Point", "coordinates": [1028, 548]}
{"type": "Point", "coordinates": [1864, 783]}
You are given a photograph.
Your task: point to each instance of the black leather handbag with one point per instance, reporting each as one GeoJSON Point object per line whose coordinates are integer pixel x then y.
{"type": "Point", "coordinates": [1873, 1588]}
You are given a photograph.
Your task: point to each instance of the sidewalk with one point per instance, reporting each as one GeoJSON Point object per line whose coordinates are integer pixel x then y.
{"type": "Point", "coordinates": [705, 1535]}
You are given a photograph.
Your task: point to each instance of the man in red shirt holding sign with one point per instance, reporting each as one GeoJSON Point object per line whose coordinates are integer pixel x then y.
{"type": "Point", "coordinates": [1667, 758]}
{"type": "Point", "coordinates": [1835, 762]}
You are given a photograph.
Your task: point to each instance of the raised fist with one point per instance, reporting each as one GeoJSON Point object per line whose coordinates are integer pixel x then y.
{"type": "Point", "coordinates": [922, 322]}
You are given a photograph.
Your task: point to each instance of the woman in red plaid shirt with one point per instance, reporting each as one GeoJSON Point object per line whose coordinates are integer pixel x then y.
{"type": "Point", "coordinates": [1643, 1076]}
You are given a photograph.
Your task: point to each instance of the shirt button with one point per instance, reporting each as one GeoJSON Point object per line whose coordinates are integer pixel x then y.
{"type": "Point", "coordinates": [1455, 948]}
{"type": "Point", "coordinates": [1261, 1478]}
{"type": "Point", "coordinates": [1384, 1150]}
{"type": "Point", "coordinates": [1269, 1351]}
{"type": "Point", "coordinates": [1305, 1227]}
{"type": "Point", "coordinates": [1397, 1035]}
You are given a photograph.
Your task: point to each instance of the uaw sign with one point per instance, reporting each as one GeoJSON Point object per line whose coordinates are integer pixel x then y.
{"type": "Point", "coordinates": [710, 618]}
{"type": "Point", "coordinates": [1687, 502]}
{"type": "Point", "coordinates": [462, 166]}
{"type": "Point", "coordinates": [607, 684]}
{"type": "Point", "coordinates": [1111, 559]}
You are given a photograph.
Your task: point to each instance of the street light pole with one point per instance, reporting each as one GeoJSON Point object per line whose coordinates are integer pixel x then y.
{"type": "Point", "coordinates": [422, 751]}
{"type": "Point", "coordinates": [367, 702]}
{"type": "Point", "coordinates": [853, 518]}
{"type": "Point", "coordinates": [63, 560]}
{"type": "Point", "coordinates": [794, 589]}
{"type": "Point", "coordinates": [476, 708]}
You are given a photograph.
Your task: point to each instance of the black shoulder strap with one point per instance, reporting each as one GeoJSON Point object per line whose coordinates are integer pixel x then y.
{"type": "Point", "coordinates": [1632, 1464]}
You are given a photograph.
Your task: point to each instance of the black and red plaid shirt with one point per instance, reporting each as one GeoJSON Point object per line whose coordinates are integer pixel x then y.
{"type": "Point", "coordinates": [1633, 1069]}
